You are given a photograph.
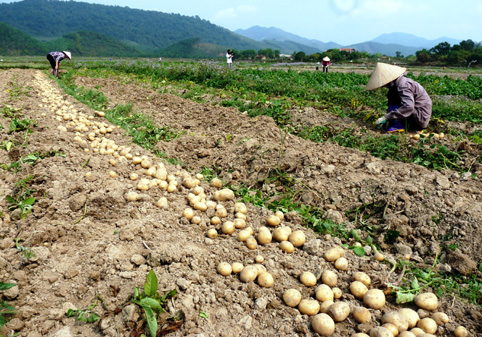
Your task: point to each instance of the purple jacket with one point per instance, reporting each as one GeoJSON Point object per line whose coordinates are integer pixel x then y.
{"type": "Point", "coordinates": [414, 101]}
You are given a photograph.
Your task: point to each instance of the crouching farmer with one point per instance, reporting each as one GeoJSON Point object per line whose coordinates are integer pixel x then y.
{"type": "Point", "coordinates": [55, 58]}
{"type": "Point", "coordinates": [409, 106]}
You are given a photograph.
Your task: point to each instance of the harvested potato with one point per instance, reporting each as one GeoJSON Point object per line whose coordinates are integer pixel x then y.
{"type": "Point", "coordinates": [417, 332]}
{"type": "Point", "coordinates": [228, 228]}
{"type": "Point", "coordinates": [397, 319]}
{"type": "Point", "coordinates": [240, 207]}
{"type": "Point", "coordinates": [337, 293]}
{"type": "Point", "coordinates": [411, 316]}
{"type": "Point", "coordinates": [339, 311]}
{"type": "Point", "coordinates": [374, 298]}
{"type": "Point", "coordinates": [440, 318]}
{"type": "Point", "coordinates": [308, 279]}
{"type": "Point", "coordinates": [325, 306]}
{"type": "Point", "coordinates": [362, 277]}
{"type": "Point", "coordinates": [237, 267]}
{"type": "Point", "coordinates": [292, 297]}
{"type": "Point", "coordinates": [362, 314]}
{"type": "Point", "coordinates": [273, 220]}
{"type": "Point", "coordinates": [224, 195]}
{"type": "Point", "coordinates": [287, 247]}
{"type": "Point", "coordinates": [265, 279]}
{"type": "Point", "coordinates": [251, 243]}
{"type": "Point", "coordinates": [282, 233]}
{"type": "Point", "coordinates": [309, 307]}
{"type": "Point", "coordinates": [460, 331]}
{"type": "Point", "coordinates": [248, 274]}
{"type": "Point", "coordinates": [329, 278]}
{"type": "Point", "coordinates": [428, 325]}
{"type": "Point", "coordinates": [379, 257]}
{"type": "Point", "coordinates": [323, 324]}
{"type": "Point", "coordinates": [380, 332]}
{"type": "Point", "coordinates": [324, 293]}
{"type": "Point", "coordinates": [224, 269]}
{"type": "Point", "coordinates": [334, 254]}
{"type": "Point", "coordinates": [392, 328]}
{"type": "Point", "coordinates": [243, 235]}
{"type": "Point", "coordinates": [280, 215]}
{"type": "Point", "coordinates": [341, 264]}
{"type": "Point", "coordinates": [406, 334]}
{"type": "Point", "coordinates": [427, 301]}
{"type": "Point", "coordinates": [264, 236]}
{"type": "Point", "coordinates": [212, 233]}
{"type": "Point", "coordinates": [297, 238]}
{"type": "Point", "coordinates": [215, 182]}
{"type": "Point", "coordinates": [358, 289]}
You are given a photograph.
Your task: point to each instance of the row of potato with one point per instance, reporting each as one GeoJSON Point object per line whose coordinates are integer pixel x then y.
{"type": "Point", "coordinates": [324, 310]}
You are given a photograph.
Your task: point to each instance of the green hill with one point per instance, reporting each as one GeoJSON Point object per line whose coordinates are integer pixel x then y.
{"type": "Point", "coordinates": [13, 42]}
{"type": "Point", "coordinates": [84, 43]}
{"type": "Point", "coordinates": [145, 30]}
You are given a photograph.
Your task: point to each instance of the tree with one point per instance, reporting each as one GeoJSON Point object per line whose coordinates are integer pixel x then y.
{"type": "Point", "coordinates": [299, 56]}
{"type": "Point", "coordinates": [443, 48]}
{"type": "Point", "coordinates": [468, 45]}
{"type": "Point", "coordinates": [423, 56]}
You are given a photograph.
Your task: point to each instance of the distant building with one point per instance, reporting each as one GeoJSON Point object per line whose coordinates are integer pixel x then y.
{"type": "Point", "coordinates": [348, 50]}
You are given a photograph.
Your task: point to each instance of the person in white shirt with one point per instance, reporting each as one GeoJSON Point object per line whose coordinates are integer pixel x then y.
{"type": "Point", "coordinates": [229, 58]}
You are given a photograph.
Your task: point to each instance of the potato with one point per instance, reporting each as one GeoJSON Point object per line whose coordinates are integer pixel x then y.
{"type": "Point", "coordinates": [264, 236]}
{"type": "Point", "coordinates": [273, 220]}
{"type": "Point", "coordinates": [329, 278]}
{"type": "Point", "coordinates": [379, 257]}
{"type": "Point", "coordinates": [324, 293]}
{"type": "Point", "coordinates": [427, 301]}
{"type": "Point", "coordinates": [358, 289]}
{"type": "Point", "coordinates": [162, 202]}
{"type": "Point", "coordinates": [259, 259]}
{"type": "Point", "coordinates": [360, 334]}
{"type": "Point", "coordinates": [337, 293]}
{"type": "Point", "coordinates": [199, 205]}
{"type": "Point", "coordinates": [411, 316]}
{"type": "Point", "coordinates": [397, 319]}
{"type": "Point", "coordinates": [309, 307]}
{"type": "Point", "coordinates": [406, 334]}
{"type": "Point", "coordinates": [196, 220]}
{"type": "Point", "coordinates": [292, 297]}
{"type": "Point", "coordinates": [308, 279]}
{"type": "Point", "coordinates": [280, 215]}
{"type": "Point", "coordinates": [228, 228]}
{"type": "Point", "coordinates": [325, 306]}
{"type": "Point", "coordinates": [334, 254]}
{"type": "Point", "coordinates": [297, 238]}
{"type": "Point", "coordinates": [251, 243]}
{"type": "Point", "coordinates": [237, 267]}
{"type": "Point", "coordinates": [143, 184]}
{"type": "Point", "coordinates": [241, 216]}
{"type": "Point", "coordinates": [224, 195]}
{"type": "Point", "coordinates": [362, 277]}
{"type": "Point", "coordinates": [132, 196]}
{"type": "Point", "coordinates": [240, 207]}
{"type": "Point", "coordinates": [374, 298]}
{"type": "Point", "coordinates": [282, 233]}
{"type": "Point", "coordinates": [287, 247]}
{"type": "Point", "coordinates": [323, 324]}
{"type": "Point", "coordinates": [417, 332]}
{"type": "Point", "coordinates": [392, 328]}
{"type": "Point", "coordinates": [215, 182]}
{"type": "Point", "coordinates": [428, 325]}
{"type": "Point", "coordinates": [380, 332]}
{"type": "Point", "coordinates": [212, 233]}
{"type": "Point", "coordinates": [440, 318]}
{"type": "Point", "coordinates": [222, 213]}
{"type": "Point", "coordinates": [460, 331]}
{"type": "Point", "coordinates": [215, 220]}
{"type": "Point", "coordinates": [240, 223]}
{"type": "Point", "coordinates": [248, 274]}
{"type": "Point", "coordinates": [341, 264]}
{"type": "Point", "coordinates": [361, 314]}
{"type": "Point", "coordinates": [339, 311]}
{"type": "Point", "coordinates": [243, 235]}
{"type": "Point", "coordinates": [224, 269]}
{"type": "Point", "coordinates": [265, 279]}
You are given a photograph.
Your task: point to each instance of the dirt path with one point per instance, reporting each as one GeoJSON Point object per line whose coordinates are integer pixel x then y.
{"type": "Point", "coordinates": [92, 245]}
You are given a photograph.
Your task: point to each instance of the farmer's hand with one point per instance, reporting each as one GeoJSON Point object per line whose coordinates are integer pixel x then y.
{"type": "Point", "coordinates": [381, 120]}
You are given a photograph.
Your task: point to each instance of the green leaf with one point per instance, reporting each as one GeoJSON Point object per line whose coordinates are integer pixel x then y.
{"type": "Point", "coordinates": [10, 199]}
{"type": "Point", "coordinates": [369, 240]}
{"type": "Point", "coordinates": [359, 251]}
{"type": "Point", "coordinates": [170, 294]}
{"type": "Point", "coordinates": [414, 284]}
{"type": "Point", "coordinates": [354, 234]}
{"type": "Point", "coordinates": [5, 286]}
{"type": "Point", "coordinates": [151, 321]}
{"type": "Point", "coordinates": [204, 315]}
{"type": "Point", "coordinates": [404, 297]}
{"type": "Point", "coordinates": [150, 286]}
{"type": "Point", "coordinates": [29, 201]}
{"type": "Point", "coordinates": [151, 303]}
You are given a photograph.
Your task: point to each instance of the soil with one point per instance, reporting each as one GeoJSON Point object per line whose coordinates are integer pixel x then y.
{"type": "Point", "coordinates": [93, 246]}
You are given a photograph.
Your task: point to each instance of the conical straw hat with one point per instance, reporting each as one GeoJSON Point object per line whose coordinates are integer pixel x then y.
{"type": "Point", "coordinates": [326, 58]}
{"type": "Point", "coordinates": [384, 74]}
{"type": "Point", "coordinates": [68, 54]}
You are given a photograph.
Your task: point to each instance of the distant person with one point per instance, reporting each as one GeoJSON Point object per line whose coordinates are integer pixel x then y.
{"type": "Point", "coordinates": [160, 59]}
{"type": "Point", "coordinates": [55, 57]}
{"type": "Point", "coordinates": [326, 63]}
{"type": "Point", "coordinates": [409, 105]}
{"type": "Point", "coordinates": [229, 58]}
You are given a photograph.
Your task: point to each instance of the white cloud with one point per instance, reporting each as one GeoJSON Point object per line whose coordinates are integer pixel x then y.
{"type": "Point", "coordinates": [235, 12]}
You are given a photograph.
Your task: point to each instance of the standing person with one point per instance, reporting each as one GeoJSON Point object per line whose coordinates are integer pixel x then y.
{"type": "Point", "coordinates": [229, 58]}
{"type": "Point", "coordinates": [55, 57]}
{"type": "Point", "coordinates": [326, 63]}
{"type": "Point", "coordinates": [409, 105]}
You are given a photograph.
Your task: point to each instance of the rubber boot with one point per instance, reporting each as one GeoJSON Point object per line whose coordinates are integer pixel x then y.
{"type": "Point", "coordinates": [395, 126]}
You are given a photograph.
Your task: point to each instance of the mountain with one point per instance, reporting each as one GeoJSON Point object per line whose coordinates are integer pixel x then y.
{"type": "Point", "coordinates": [13, 42]}
{"type": "Point", "coordinates": [286, 42]}
{"type": "Point", "coordinates": [410, 40]}
{"type": "Point", "coordinates": [145, 30]}
{"type": "Point", "coordinates": [385, 49]}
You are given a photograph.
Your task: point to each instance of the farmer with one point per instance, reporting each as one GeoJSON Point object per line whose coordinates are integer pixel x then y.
{"type": "Point", "coordinates": [326, 63]}
{"type": "Point", "coordinates": [409, 106]}
{"type": "Point", "coordinates": [55, 57]}
{"type": "Point", "coordinates": [229, 58]}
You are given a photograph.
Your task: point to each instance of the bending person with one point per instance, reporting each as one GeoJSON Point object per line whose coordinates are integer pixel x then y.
{"type": "Point", "coordinates": [55, 57]}
{"type": "Point", "coordinates": [409, 105]}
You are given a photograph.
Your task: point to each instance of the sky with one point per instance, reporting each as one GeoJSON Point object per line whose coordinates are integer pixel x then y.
{"type": "Point", "coordinates": [342, 21]}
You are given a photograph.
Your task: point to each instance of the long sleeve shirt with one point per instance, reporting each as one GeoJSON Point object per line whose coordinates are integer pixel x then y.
{"type": "Point", "coordinates": [58, 55]}
{"type": "Point", "coordinates": [412, 100]}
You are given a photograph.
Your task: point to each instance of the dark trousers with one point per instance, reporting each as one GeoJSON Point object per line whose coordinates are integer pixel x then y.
{"type": "Point", "coordinates": [52, 64]}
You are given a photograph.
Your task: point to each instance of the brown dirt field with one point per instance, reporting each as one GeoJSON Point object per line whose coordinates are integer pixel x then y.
{"type": "Point", "coordinates": [91, 243]}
